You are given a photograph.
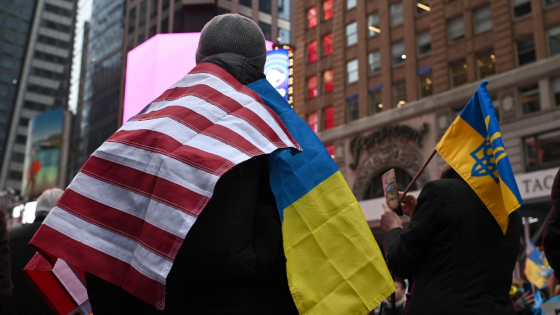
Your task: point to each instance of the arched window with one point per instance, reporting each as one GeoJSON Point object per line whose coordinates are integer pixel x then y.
{"type": "Point", "coordinates": [375, 189]}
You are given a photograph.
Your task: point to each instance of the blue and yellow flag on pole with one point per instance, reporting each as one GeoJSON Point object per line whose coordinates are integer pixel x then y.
{"type": "Point", "coordinates": [334, 264]}
{"type": "Point", "coordinates": [473, 147]}
{"type": "Point", "coordinates": [537, 269]}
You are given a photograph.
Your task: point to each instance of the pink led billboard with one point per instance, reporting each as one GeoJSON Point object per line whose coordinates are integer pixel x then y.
{"type": "Point", "coordinates": [157, 64]}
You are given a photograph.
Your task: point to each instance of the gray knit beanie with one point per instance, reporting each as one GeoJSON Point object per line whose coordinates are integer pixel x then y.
{"type": "Point", "coordinates": [232, 33]}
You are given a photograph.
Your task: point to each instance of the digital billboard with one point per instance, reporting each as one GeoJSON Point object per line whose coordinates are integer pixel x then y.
{"type": "Point", "coordinates": [279, 71]}
{"type": "Point", "coordinates": [42, 152]}
{"type": "Point", "coordinates": [157, 64]}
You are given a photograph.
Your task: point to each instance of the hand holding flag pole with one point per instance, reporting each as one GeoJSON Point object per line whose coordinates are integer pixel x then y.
{"type": "Point", "coordinates": [416, 176]}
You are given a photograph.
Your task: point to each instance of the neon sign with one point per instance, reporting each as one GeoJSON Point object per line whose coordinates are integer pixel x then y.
{"type": "Point", "coordinates": [279, 70]}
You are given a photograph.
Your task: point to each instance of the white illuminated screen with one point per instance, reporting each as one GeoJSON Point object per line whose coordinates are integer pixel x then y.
{"type": "Point", "coordinates": [157, 64]}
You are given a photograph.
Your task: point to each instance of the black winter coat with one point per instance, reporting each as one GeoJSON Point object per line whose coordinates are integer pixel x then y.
{"type": "Point", "coordinates": [232, 260]}
{"type": "Point", "coordinates": [551, 234]}
{"type": "Point", "coordinates": [456, 253]}
{"type": "Point", "coordinates": [25, 299]}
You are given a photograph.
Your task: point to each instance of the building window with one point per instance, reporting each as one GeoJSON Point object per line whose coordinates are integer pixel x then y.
{"type": "Point", "coordinates": [542, 151]}
{"type": "Point", "coordinates": [327, 10]}
{"type": "Point", "coordinates": [143, 12]}
{"type": "Point", "coordinates": [521, 7]}
{"type": "Point", "coordinates": [556, 91]}
{"type": "Point", "coordinates": [352, 109]}
{"type": "Point", "coordinates": [327, 45]}
{"type": "Point", "coordinates": [283, 36]}
{"type": "Point", "coordinates": [264, 6]}
{"type": "Point", "coordinates": [459, 73]}
{"type": "Point", "coordinates": [247, 3]}
{"type": "Point", "coordinates": [375, 105]}
{"type": "Point", "coordinates": [424, 42]}
{"type": "Point", "coordinates": [456, 29]}
{"type": "Point", "coordinates": [267, 30]}
{"type": "Point", "coordinates": [526, 51]}
{"type": "Point", "coordinates": [397, 51]}
{"type": "Point", "coordinates": [350, 4]}
{"type": "Point", "coordinates": [374, 62]}
{"type": "Point", "coordinates": [328, 118]}
{"type": "Point", "coordinates": [530, 101]}
{"type": "Point", "coordinates": [328, 81]}
{"type": "Point", "coordinates": [486, 65]}
{"type": "Point", "coordinates": [352, 71]}
{"type": "Point", "coordinates": [165, 26]}
{"type": "Point", "coordinates": [153, 9]}
{"type": "Point", "coordinates": [396, 14]}
{"type": "Point", "coordinates": [554, 40]}
{"type": "Point", "coordinates": [482, 19]}
{"type": "Point", "coordinates": [312, 87]}
{"type": "Point", "coordinates": [312, 122]}
{"type": "Point", "coordinates": [399, 94]}
{"type": "Point", "coordinates": [312, 17]}
{"type": "Point", "coordinates": [284, 9]}
{"type": "Point", "coordinates": [422, 6]}
{"type": "Point", "coordinates": [426, 84]}
{"type": "Point", "coordinates": [132, 20]}
{"type": "Point", "coordinates": [312, 52]}
{"type": "Point", "coordinates": [351, 34]}
{"type": "Point", "coordinates": [373, 24]}
{"type": "Point", "coordinates": [550, 2]}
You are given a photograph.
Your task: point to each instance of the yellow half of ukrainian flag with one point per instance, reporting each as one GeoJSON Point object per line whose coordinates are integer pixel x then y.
{"type": "Point", "coordinates": [334, 265]}
{"type": "Point", "coordinates": [473, 147]}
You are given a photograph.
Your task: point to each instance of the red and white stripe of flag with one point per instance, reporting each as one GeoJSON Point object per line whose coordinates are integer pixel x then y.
{"type": "Point", "coordinates": [126, 214]}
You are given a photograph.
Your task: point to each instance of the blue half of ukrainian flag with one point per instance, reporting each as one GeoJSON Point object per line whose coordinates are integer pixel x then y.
{"type": "Point", "coordinates": [473, 146]}
{"type": "Point", "coordinates": [334, 264]}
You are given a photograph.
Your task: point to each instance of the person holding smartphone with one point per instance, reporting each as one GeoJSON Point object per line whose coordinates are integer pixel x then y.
{"type": "Point", "coordinates": [454, 250]}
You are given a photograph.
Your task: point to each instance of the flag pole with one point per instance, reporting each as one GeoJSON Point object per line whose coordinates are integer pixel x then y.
{"type": "Point", "coordinates": [527, 236]}
{"type": "Point", "coordinates": [417, 175]}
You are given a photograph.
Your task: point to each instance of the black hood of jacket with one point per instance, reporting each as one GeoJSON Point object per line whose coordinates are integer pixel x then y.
{"type": "Point", "coordinates": [240, 67]}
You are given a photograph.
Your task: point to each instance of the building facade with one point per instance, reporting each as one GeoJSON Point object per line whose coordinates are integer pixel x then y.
{"type": "Point", "coordinates": [146, 18]}
{"type": "Point", "coordinates": [40, 34]}
{"type": "Point", "coordinates": [380, 81]}
{"type": "Point", "coordinates": [99, 93]}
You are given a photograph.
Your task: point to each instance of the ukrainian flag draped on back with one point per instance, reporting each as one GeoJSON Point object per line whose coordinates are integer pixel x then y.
{"type": "Point", "coordinates": [537, 269]}
{"type": "Point", "coordinates": [473, 147]}
{"type": "Point", "coordinates": [334, 264]}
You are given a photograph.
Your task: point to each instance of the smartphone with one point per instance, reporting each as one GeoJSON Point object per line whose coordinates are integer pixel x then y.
{"type": "Point", "coordinates": [527, 287]}
{"type": "Point", "coordinates": [391, 191]}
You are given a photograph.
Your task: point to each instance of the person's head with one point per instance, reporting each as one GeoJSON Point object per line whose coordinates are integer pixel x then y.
{"type": "Point", "coordinates": [446, 171]}
{"type": "Point", "coordinates": [400, 291]}
{"type": "Point", "coordinates": [232, 33]}
{"type": "Point", "coordinates": [46, 202]}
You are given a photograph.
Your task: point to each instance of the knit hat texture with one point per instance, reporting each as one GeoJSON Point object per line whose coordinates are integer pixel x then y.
{"type": "Point", "coordinates": [232, 33]}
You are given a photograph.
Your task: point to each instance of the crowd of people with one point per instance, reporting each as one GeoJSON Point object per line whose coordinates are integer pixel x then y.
{"type": "Point", "coordinates": [452, 259]}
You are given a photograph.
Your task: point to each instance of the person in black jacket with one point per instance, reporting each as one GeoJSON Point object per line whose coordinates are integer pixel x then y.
{"type": "Point", "coordinates": [25, 299]}
{"type": "Point", "coordinates": [232, 260]}
{"type": "Point", "coordinates": [460, 261]}
{"type": "Point", "coordinates": [551, 234]}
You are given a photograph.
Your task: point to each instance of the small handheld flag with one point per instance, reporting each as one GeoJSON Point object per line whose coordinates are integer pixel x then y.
{"type": "Point", "coordinates": [536, 267]}
{"type": "Point", "coordinates": [473, 147]}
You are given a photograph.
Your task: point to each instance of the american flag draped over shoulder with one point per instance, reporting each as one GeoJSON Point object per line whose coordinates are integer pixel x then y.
{"type": "Point", "coordinates": [126, 214]}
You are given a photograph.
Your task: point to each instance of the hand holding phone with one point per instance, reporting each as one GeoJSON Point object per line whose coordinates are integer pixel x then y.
{"type": "Point", "coordinates": [391, 192]}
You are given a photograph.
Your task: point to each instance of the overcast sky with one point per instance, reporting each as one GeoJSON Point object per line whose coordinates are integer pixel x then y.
{"type": "Point", "coordinates": [84, 14]}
